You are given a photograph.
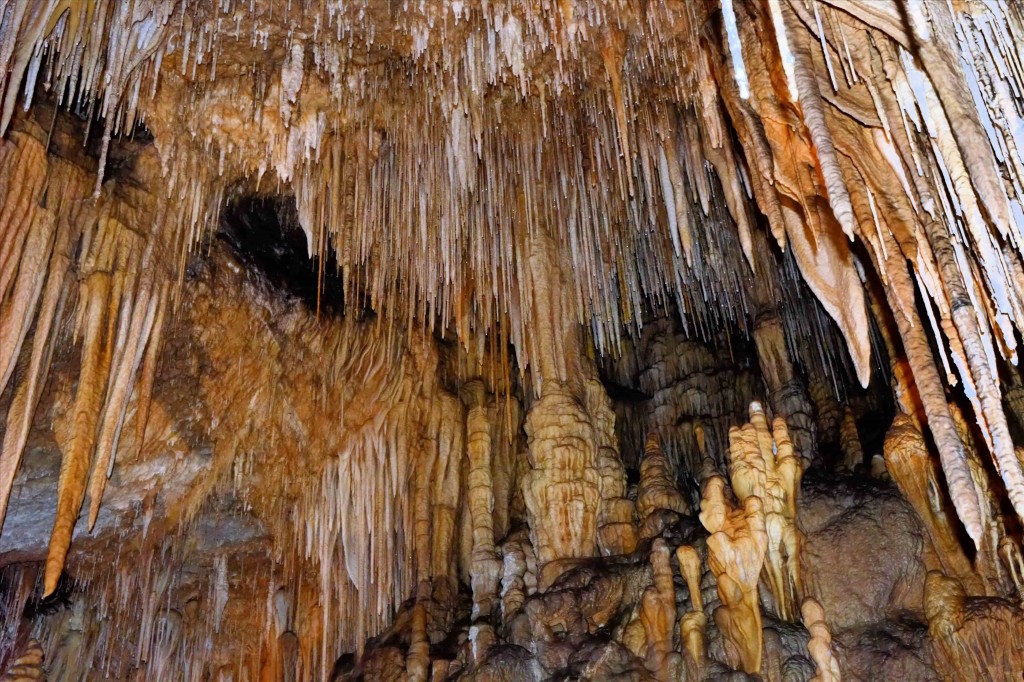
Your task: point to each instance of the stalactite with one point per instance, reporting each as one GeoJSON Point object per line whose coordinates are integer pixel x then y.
{"type": "Point", "coordinates": [987, 561]}
{"type": "Point", "coordinates": [128, 355]}
{"type": "Point", "coordinates": [95, 298]}
{"type": "Point", "coordinates": [929, 387]}
{"type": "Point", "coordinates": [21, 253]}
{"type": "Point", "coordinates": [907, 460]}
{"type": "Point", "coordinates": [819, 247]}
{"type": "Point", "coordinates": [812, 111]}
{"type": "Point", "coordinates": [51, 306]}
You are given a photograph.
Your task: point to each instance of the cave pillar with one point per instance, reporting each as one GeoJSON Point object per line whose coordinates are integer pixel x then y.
{"type": "Point", "coordinates": [444, 483]}
{"type": "Point", "coordinates": [485, 567]}
{"type": "Point", "coordinates": [576, 481]}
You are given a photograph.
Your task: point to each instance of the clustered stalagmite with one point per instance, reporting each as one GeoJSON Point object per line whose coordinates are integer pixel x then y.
{"type": "Point", "coordinates": [652, 339]}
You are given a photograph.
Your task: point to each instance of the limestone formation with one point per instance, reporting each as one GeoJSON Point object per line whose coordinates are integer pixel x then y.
{"type": "Point", "coordinates": [517, 580]}
{"type": "Point", "coordinates": [961, 626]}
{"type": "Point", "coordinates": [27, 666]}
{"type": "Point", "coordinates": [820, 644]}
{"type": "Point", "coordinates": [656, 489]}
{"type": "Point", "coordinates": [574, 466]}
{"type": "Point", "coordinates": [908, 462]}
{"type": "Point", "coordinates": [693, 624]}
{"type": "Point", "coordinates": [853, 451]}
{"type": "Point", "coordinates": [736, 552]}
{"type": "Point", "coordinates": [763, 465]}
{"type": "Point", "coordinates": [657, 613]}
{"type": "Point", "coordinates": [485, 565]}
{"type": "Point", "coordinates": [390, 340]}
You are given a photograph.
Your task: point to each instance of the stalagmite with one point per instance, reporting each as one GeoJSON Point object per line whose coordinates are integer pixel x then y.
{"type": "Point", "coordinates": [1010, 554]}
{"type": "Point", "coordinates": [417, 662]}
{"type": "Point", "coordinates": [616, 530]}
{"type": "Point", "coordinates": [693, 624]}
{"type": "Point", "coordinates": [826, 408]}
{"type": "Point", "coordinates": [446, 419]}
{"type": "Point", "coordinates": [820, 644]}
{"type": "Point", "coordinates": [736, 553]}
{"type": "Point", "coordinates": [514, 586]}
{"type": "Point", "coordinates": [879, 470]}
{"type": "Point", "coordinates": [563, 488]}
{"type": "Point", "coordinates": [849, 438]}
{"type": "Point", "coordinates": [656, 490]}
{"type": "Point", "coordinates": [27, 666]}
{"type": "Point", "coordinates": [690, 568]}
{"type": "Point", "coordinates": [762, 465]}
{"type": "Point", "coordinates": [963, 629]}
{"type": "Point", "coordinates": [658, 614]}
